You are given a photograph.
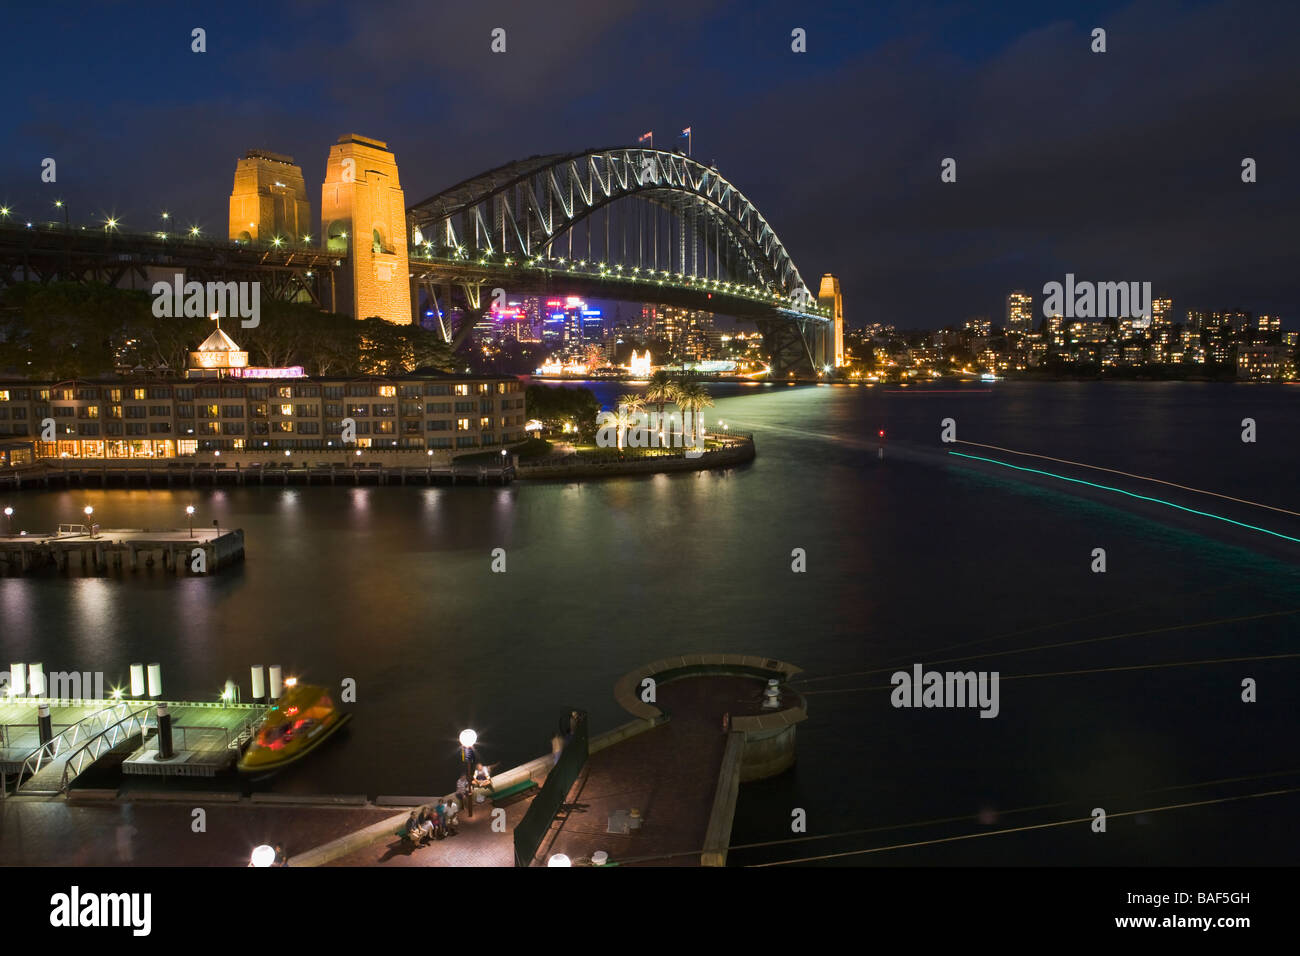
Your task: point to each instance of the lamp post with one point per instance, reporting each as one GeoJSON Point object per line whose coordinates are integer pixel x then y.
{"type": "Point", "coordinates": [88, 512]}
{"type": "Point", "coordinates": [189, 510]}
{"type": "Point", "coordinates": [9, 521]}
{"type": "Point", "coordinates": [467, 740]}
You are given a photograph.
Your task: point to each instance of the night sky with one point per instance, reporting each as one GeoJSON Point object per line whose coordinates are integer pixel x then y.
{"type": "Point", "coordinates": [1117, 166]}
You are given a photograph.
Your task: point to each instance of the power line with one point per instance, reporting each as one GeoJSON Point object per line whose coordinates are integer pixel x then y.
{"type": "Point", "coordinates": [1093, 670]}
{"type": "Point", "coordinates": [1085, 640]}
{"type": "Point", "coordinates": [998, 637]}
{"type": "Point", "coordinates": [1024, 829]}
{"type": "Point", "coordinates": [969, 816]}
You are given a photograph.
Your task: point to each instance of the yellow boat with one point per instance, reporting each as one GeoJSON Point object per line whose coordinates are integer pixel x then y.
{"type": "Point", "coordinates": [293, 728]}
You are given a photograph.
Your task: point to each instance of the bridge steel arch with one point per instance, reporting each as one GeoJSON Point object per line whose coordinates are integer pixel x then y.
{"type": "Point", "coordinates": [524, 208]}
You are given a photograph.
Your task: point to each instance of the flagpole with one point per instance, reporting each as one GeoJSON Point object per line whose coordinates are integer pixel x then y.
{"type": "Point", "coordinates": [688, 140]}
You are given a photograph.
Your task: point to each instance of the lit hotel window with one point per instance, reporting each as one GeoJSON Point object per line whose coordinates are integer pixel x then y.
{"type": "Point", "coordinates": [462, 424]}
{"type": "Point", "coordinates": [387, 391]}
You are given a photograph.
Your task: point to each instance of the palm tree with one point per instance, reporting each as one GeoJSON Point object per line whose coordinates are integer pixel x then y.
{"type": "Point", "coordinates": [694, 397]}
{"type": "Point", "coordinates": [661, 389]}
{"type": "Point", "coordinates": [629, 406]}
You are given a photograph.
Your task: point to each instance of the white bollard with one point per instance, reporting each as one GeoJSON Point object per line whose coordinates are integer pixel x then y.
{"type": "Point", "coordinates": [137, 680]}
{"type": "Point", "coordinates": [277, 685]}
{"type": "Point", "coordinates": [259, 682]}
{"type": "Point", "coordinates": [35, 680]}
{"type": "Point", "coordinates": [17, 680]}
{"type": "Point", "coordinates": [155, 680]}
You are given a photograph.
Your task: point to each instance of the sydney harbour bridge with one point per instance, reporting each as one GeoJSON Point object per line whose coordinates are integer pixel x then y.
{"type": "Point", "coordinates": [625, 223]}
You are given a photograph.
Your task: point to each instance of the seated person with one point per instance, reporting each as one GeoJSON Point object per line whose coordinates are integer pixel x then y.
{"type": "Point", "coordinates": [482, 778]}
{"type": "Point", "coordinates": [449, 819]}
{"type": "Point", "coordinates": [426, 825]}
{"type": "Point", "coordinates": [411, 828]}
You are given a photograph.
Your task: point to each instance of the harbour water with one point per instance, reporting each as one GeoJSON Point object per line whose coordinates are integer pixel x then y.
{"type": "Point", "coordinates": [906, 563]}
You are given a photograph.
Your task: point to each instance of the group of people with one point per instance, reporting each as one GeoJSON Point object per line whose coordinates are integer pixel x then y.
{"type": "Point", "coordinates": [480, 780]}
{"type": "Point", "coordinates": [432, 822]}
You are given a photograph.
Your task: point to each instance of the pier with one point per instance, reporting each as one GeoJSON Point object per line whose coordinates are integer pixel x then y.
{"type": "Point", "coordinates": [198, 552]}
{"type": "Point", "coordinates": [378, 468]}
{"type": "Point", "coordinates": [48, 742]}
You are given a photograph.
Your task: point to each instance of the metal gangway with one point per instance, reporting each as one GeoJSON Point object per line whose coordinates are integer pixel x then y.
{"type": "Point", "coordinates": [74, 740]}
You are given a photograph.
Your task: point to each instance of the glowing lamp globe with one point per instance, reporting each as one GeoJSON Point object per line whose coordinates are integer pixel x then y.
{"type": "Point", "coordinates": [468, 738]}
{"type": "Point", "coordinates": [263, 855]}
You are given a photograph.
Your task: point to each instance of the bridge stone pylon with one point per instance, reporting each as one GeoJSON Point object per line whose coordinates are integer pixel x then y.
{"type": "Point", "coordinates": [363, 216]}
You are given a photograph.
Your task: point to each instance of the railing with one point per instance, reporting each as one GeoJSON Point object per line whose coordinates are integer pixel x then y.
{"type": "Point", "coordinates": [102, 743]}
{"type": "Point", "coordinates": [66, 738]}
{"type": "Point", "coordinates": [537, 819]}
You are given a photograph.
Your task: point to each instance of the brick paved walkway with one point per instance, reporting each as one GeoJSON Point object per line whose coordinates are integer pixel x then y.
{"type": "Point", "coordinates": [669, 774]}
{"type": "Point", "coordinates": [475, 844]}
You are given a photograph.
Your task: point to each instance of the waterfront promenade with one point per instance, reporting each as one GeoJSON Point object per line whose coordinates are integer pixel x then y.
{"type": "Point", "coordinates": [659, 790]}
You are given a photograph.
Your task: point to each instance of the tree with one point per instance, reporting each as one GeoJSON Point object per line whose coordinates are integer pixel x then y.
{"type": "Point", "coordinates": [630, 406]}
{"type": "Point", "coordinates": [694, 397]}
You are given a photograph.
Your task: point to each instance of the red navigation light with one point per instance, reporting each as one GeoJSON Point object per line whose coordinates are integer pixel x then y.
{"type": "Point", "coordinates": [882, 433]}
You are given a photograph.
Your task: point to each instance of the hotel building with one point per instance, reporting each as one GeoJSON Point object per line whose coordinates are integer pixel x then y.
{"type": "Point", "coordinates": [224, 405]}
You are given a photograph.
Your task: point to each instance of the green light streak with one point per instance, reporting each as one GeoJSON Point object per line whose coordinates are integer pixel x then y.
{"type": "Point", "coordinates": [1159, 501]}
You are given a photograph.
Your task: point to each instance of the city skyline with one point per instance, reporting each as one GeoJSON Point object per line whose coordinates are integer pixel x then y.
{"type": "Point", "coordinates": [1037, 193]}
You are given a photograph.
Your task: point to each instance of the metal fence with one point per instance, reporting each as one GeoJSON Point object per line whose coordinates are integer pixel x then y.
{"type": "Point", "coordinates": [540, 814]}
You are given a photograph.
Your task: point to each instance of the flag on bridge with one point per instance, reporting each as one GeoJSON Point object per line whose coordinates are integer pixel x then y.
{"type": "Point", "coordinates": [687, 133]}
{"type": "Point", "coordinates": [647, 136]}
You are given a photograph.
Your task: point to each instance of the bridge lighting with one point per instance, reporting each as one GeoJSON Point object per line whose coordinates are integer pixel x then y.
{"type": "Point", "coordinates": [110, 223]}
{"type": "Point", "coordinates": [306, 238]}
{"type": "Point", "coordinates": [166, 214]}
{"type": "Point", "coordinates": [4, 211]}
{"type": "Point", "coordinates": [194, 230]}
{"type": "Point", "coordinates": [276, 242]}
{"type": "Point", "coordinates": [58, 203]}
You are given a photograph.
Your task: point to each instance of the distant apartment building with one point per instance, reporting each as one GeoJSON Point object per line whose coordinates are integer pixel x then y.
{"type": "Point", "coordinates": [1265, 363]}
{"type": "Point", "coordinates": [1020, 312]}
{"type": "Point", "coordinates": [1162, 313]}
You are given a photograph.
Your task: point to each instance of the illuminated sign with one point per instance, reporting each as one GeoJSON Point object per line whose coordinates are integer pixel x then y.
{"type": "Point", "coordinates": [289, 371]}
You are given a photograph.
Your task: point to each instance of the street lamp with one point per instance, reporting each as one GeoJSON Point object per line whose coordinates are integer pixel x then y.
{"type": "Point", "coordinates": [189, 510]}
{"type": "Point", "coordinates": [467, 741]}
{"type": "Point", "coordinates": [89, 511]}
{"type": "Point", "coordinates": [9, 521]}
{"type": "Point", "coordinates": [262, 856]}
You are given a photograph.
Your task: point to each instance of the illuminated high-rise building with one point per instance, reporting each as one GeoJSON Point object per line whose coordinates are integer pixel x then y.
{"type": "Point", "coordinates": [1162, 312]}
{"type": "Point", "coordinates": [1020, 312]}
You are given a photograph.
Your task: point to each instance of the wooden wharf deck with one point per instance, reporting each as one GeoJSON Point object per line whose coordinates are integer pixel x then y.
{"type": "Point", "coordinates": [98, 550]}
